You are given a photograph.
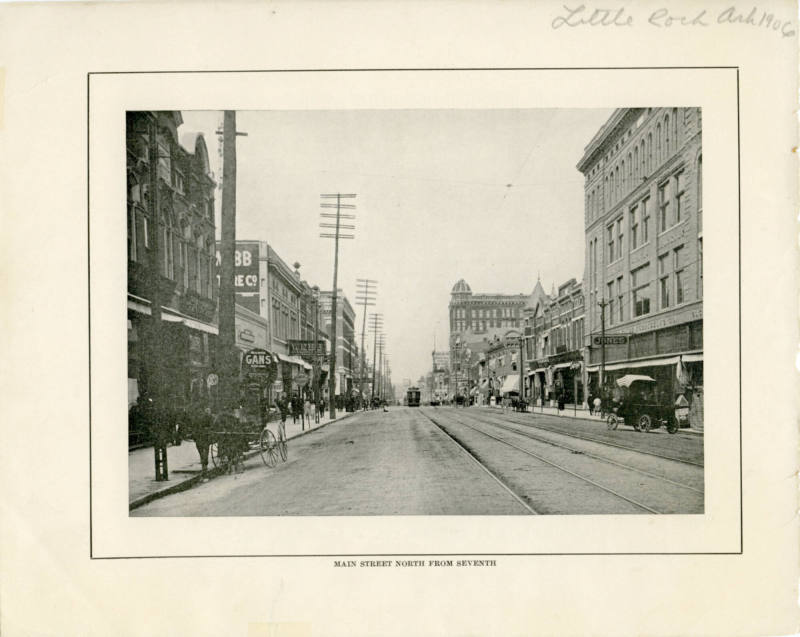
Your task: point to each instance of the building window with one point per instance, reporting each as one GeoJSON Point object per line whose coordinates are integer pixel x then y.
{"type": "Point", "coordinates": [146, 230]}
{"type": "Point", "coordinates": [610, 232]}
{"type": "Point", "coordinates": [640, 286]}
{"type": "Point", "coordinates": [132, 233]}
{"type": "Point", "coordinates": [634, 227]}
{"type": "Point", "coordinates": [679, 196]}
{"type": "Point", "coordinates": [611, 303]}
{"type": "Point", "coordinates": [620, 299]}
{"type": "Point", "coordinates": [679, 278]}
{"type": "Point", "coordinates": [663, 280]}
{"type": "Point", "coordinates": [619, 238]}
{"type": "Point", "coordinates": [649, 152]}
{"type": "Point", "coordinates": [667, 147]}
{"type": "Point", "coordinates": [700, 193]}
{"type": "Point", "coordinates": [642, 165]}
{"type": "Point", "coordinates": [659, 139]}
{"type": "Point", "coordinates": [645, 219]}
{"type": "Point", "coordinates": [700, 268]}
{"type": "Point", "coordinates": [663, 205]}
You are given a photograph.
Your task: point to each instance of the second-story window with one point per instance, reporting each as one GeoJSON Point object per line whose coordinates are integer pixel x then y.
{"type": "Point", "coordinates": [640, 288]}
{"type": "Point", "coordinates": [663, 205]}
{"type": "Point", "coordinates": [680, 182]}
{"type": "Point", "coordinates": [610, 239]}
{"type": "Point", "coordinates": [663, 280]}
{"type": "Point", "coordinates": [634, 217]}
{"type": "Point", "coordinates": [619, 238]}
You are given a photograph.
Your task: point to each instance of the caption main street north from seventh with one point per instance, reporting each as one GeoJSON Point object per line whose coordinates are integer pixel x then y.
{"type": "Point", "coordinates": [415, 312]}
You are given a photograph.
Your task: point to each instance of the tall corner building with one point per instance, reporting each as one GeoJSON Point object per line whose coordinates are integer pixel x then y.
{"type": "Point", "coordinates": [480, 317]}
{"type": "Point", "coordinates": [644, 250]}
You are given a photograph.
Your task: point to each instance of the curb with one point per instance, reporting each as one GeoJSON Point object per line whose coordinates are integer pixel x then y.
{"type": "Point", "coordinates": [188, 483]}
{"type": "Point", "coordinates": [687, 430]}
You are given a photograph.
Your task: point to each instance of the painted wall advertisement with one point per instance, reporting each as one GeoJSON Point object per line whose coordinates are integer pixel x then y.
{"type": "Point", "coordinates": [245, 274]}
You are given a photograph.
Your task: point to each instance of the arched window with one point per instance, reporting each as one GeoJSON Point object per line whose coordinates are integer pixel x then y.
{"type": "Point", "coordinates": [675, 128]}
{"type": "Point", "coordinates": [616, 183]}
{"type": "Point", "coordinates": [636, 167]}
{"type": "Point", "coordinates": [667, 147]}
{"type": "Point", "coordinates": [630, 172]}
{"type": "Point", "coordinates": [659, 136]}
{"type": "Point", "coordinates": [649, 152]}
{"type": "Point", "coordinates": [622, 180]}
{"type": "Point", "coordinates": [642, 166]}
{"type": "Point", "coordinates": [700, 193]}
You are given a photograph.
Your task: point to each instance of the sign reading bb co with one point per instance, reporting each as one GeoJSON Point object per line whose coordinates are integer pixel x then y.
{"type": "Point", "coordinates": [245, 267]}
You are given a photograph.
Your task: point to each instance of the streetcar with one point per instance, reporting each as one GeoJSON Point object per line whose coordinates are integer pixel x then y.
{"type": "Point", "coordinates": [412, 397]}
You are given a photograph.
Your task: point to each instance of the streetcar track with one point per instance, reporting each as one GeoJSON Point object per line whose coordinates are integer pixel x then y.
{"type": "Point", "coordinates": [610, 444]}
{"type": "Point", "coordinates": [472, 457]}
{"type": "Point", "coordinates": [585, 453]}
{"type": "Point", "coordinates": [542, 459]}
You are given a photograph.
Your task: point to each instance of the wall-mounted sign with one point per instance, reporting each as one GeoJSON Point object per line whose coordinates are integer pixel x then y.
{"type": "Point", "coordinates": [615, 339]}
{"type": "Point", "coordinates": [245, 267]}
{"type": "Point", "coordinates": [247, 336]}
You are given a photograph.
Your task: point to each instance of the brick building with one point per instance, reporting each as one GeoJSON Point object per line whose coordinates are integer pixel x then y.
{"type": "Point", "coordinates": [476, 318]}
{"type": "Point", "coordinates": [170, 213]}
{"type": "Point", "coordinates": [644, 248]}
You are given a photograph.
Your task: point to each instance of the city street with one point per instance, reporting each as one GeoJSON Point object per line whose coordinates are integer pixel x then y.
{"type": "Point", "coordinates": [406, 462]}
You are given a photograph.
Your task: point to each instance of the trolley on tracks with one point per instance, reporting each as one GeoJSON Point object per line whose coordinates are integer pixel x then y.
{"type": "Point", "coordinates": [412, 397]}
{"type": "Point", "coordinates": [641, 407]}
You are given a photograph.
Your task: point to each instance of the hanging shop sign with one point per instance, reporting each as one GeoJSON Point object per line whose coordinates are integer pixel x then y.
{"type": "Point", "coordinates": [307, 349]}
{"type": "Point", "coordinates": [259, 366]}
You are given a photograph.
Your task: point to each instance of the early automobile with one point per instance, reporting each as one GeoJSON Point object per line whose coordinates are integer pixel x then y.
{"type": "Point", "coordinates": [643, 407]}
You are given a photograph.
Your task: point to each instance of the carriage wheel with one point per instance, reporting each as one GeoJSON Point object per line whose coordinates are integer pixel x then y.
{"type": "Point", "coordinates": [282, 446]}
{"type": "Point", "coordinates": [612, 422]}
{"type": "Point", "coordinates": [645, 423]}
{"type": "Point", "coordinates": [268, 447]}
{"type": "Point", "coordinates": [672, 425]}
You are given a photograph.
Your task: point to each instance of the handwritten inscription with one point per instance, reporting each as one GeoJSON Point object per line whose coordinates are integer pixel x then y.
{"type": "Point", "coordinates": [663, 18]}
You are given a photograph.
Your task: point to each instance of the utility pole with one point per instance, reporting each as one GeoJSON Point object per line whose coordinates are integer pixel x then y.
{"type": "Point", "coordinates": [366, 289]}
{"type": "Point", "coordinates": [336, 235]}
{"type": "Point", "coordinates": [381, 345]}
{"type": "Point", "coordinates": [226, 354]}
{"type": "Point", "coordinates": [602, 303]}
{"type": "Point", "coordinates": [154, 385]}
{"type": "Point", "coordinates": [375, 325]}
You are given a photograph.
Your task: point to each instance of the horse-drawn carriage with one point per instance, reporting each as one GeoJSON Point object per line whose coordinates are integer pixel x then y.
{"type": "Point", "coordinates": [641, 406]}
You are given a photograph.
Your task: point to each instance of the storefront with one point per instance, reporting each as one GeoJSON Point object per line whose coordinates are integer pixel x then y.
{"type": "Point", "coordinates": [187, 352]}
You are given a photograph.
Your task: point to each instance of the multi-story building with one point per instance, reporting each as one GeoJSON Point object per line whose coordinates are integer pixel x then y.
{"type": "Point", "coordinates": [503, 366]}
{"type": "Point", "coordinates": [480, 317]}
{"type": "Point", "coordinates": [276, 293]}
{"type": "Point", "coordinates": [174, 219]}
{"type": "Point", "coordinates": [554, 346]}
{"type": "Point", "coordinates": [644, 249]}
{"type": "Point", "coordinates": [346, 348]}
{"type": "Point", "coordinates": [440, 383]}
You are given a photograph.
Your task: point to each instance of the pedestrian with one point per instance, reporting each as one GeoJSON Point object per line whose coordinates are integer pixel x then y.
{"type": "Point", "coordinates": [307, 410]}
{"type": "Point", "coordinates": [597, 405]}
{"type": "Point", "coordinates": [561, 401]}
{"type": "Point", "coordinates": [296, 411]}
{"type": "Point", "coordinates": [200, 423]}
{"type": "Point", "coordinates": [590, 403]}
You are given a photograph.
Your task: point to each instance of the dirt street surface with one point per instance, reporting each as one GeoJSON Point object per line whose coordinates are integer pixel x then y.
{"type": "Point", "coordinates": [374, 463]}
{"type": "Point", "coordinates": [561, 469]}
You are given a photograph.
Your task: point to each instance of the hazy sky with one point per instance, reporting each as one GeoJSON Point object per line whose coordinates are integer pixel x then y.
{"type": "Point", "coordinates": [491, 196]}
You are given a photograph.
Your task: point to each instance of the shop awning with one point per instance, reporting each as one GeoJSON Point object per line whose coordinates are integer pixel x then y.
{"type": "Point", "coordinates": [171, 316]}
{"type": "Point", "coordinates": [511, 384]}
{"type": "Point", "coordinates": [539, 370]}
{"type": "Point", "coordinates": [653, 362]}
{"type": "Point", "coordinates": [562, 365]}
{"type": "Point", "coordinates": [692, 358]}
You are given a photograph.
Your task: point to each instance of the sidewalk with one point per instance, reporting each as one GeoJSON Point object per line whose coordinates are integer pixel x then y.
{"type": "Point", "coordinates": [184, 464]}
{"type": "Point", "coordinates": [581, 413]}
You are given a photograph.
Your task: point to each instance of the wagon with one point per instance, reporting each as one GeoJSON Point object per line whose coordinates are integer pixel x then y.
{"type": "Point", "coordinates": [641, 406]}
{"type": "Point", "coordinates": [235, 433]}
